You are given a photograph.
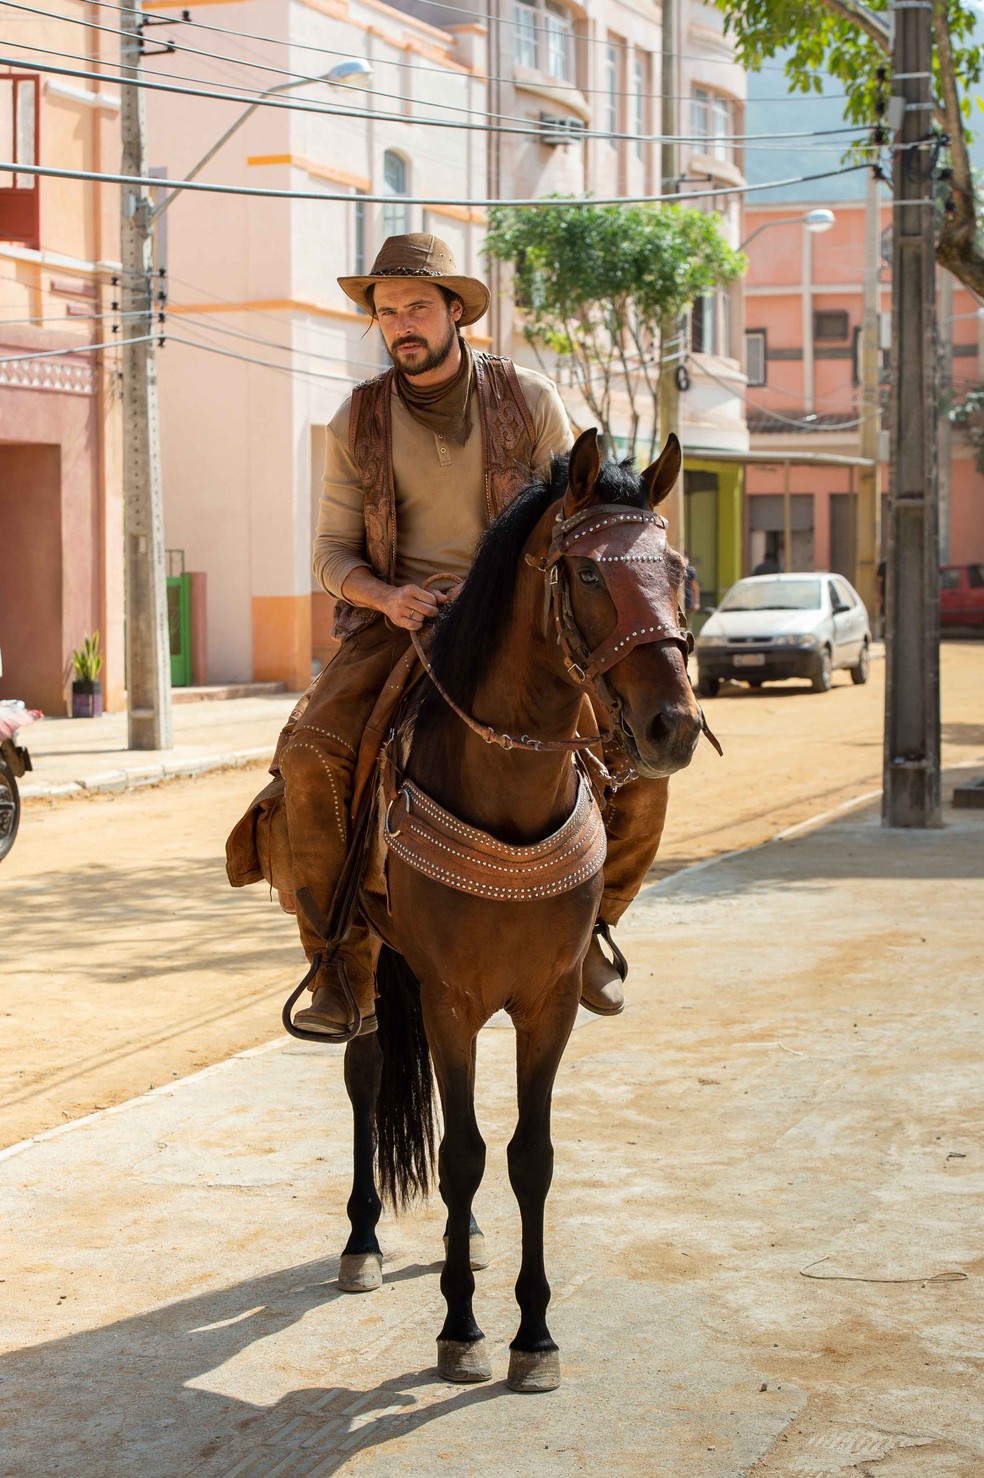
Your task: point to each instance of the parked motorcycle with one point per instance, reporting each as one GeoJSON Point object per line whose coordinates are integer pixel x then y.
{"type": "Point", "coordinates": [14, 762]}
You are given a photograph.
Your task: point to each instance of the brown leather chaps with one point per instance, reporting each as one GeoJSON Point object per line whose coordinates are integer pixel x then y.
{"type": "Point", "coordinates": [316, 756]}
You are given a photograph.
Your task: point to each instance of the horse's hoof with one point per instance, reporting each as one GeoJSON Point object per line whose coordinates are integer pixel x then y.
{"type": "Point", "coordinates": [360, 1272]}
{"type": "Point", "coordinates": [463, 1360]}
{"type": "Point", "coordinates": [478, 1258]}
{"type": "Point", "coordinates": [537, 1370]}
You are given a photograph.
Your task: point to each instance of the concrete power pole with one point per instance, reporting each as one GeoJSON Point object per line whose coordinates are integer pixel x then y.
{"type": "Point", "coordinates": [911, 795]}
{"type": "Point", "coordinates": [148, 659]}
{"type": "Point", "coordinates": [868, 536]}
{"type": "Point", "coordinates": [670, 357]}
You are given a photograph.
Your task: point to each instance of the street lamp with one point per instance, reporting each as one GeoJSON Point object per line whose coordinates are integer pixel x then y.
{"type": "Point", "coordinates": [343, 74]}
{"type": "Point", "coordinates": [815, 221]}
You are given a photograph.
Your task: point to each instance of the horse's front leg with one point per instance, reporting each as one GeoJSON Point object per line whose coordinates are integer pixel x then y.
{"type": "Point", "coordinates": [461, 1353]}
{"type": "Point", "coordinates": [361, 1267]}
{"type": "Point", "coordinates": [534, 1361]}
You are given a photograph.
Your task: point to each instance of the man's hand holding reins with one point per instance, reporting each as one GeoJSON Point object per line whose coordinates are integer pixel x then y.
{"type": "Point", "coordinates": [406, 606]}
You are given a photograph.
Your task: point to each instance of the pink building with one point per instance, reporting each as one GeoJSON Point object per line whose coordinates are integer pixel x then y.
{"type": "Point", "coordinates": [60, 482]}
{"type": "Point", "coordinates": [803, 313]}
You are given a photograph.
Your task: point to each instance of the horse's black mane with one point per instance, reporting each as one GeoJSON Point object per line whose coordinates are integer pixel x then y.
{"type": "Point", "coordinates": [468, 631]}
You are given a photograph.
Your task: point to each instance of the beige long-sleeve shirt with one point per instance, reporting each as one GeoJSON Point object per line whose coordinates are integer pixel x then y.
{"type": "Point", "coordinates": [440, 490]}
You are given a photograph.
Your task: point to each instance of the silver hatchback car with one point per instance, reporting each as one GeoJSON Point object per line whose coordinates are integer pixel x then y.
{"type": "Point", "coordinates": [770, 627]}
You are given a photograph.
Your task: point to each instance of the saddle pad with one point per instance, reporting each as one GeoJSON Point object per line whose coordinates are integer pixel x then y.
{"type": "Point", "coordinates": [426, 837]}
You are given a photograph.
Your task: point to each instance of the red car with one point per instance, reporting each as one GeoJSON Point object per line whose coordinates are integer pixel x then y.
{"type": "Point", "coordinates": [962, 595]}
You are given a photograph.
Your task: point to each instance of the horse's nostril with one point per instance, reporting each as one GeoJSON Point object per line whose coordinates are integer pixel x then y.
{"type": "Point", "coordinates": [674, 726]}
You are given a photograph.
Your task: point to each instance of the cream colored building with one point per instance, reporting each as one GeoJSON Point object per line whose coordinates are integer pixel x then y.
{"type": "Point", "coordinates": [241, 441]}
{"type": "Point", "coordinates": [256, 278]}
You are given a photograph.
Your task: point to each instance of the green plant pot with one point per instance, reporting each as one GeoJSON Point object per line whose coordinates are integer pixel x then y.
{"type": "Point", "coordinates": [87, 700]}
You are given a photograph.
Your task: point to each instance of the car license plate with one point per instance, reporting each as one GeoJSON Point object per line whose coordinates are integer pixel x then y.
{"type": "Point", "coordinates": [749, 659]}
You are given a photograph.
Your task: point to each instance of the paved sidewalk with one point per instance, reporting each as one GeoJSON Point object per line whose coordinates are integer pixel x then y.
{"type": "Point", "coordinates": [763, 1237]}
{"type": "Point", "coordinates": [73, 756]}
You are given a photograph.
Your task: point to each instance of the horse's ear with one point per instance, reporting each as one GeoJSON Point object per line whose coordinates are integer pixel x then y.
{"type": "Point", "coordinates": [582, 471]}
{"type": "Point", "coordinates": [662, 475]}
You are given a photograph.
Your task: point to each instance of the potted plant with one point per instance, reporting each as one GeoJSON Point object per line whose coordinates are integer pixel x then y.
{"type": "Point", "coordinates": [87, 700]}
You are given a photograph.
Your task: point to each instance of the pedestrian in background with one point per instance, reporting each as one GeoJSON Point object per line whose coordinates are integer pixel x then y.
{"type": "Point", "coordinates": [691, 588]}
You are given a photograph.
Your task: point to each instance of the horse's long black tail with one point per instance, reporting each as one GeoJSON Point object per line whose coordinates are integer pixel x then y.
{"type": "Point", "coordinates": [405, 1106]}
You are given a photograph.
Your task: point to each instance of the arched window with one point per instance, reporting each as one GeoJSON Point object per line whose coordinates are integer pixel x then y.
{"type": "Point", "coordinates": [396, 213]}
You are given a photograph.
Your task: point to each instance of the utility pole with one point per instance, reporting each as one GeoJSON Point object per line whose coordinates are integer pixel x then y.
{"type": "Point", "coordinates": [911, 796]}
{"type": "Point", "coordinates": [867, 542]}
{"type": "Point", "coordinates": [670, 357]}
{"type": "Point", "coordinates": [148, 658]}
{"type": "Point", "coordinates": [945, 348]}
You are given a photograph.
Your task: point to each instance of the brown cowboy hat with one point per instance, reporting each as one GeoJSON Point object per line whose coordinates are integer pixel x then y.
{"type": "Point", "coordinates": [420, 255]}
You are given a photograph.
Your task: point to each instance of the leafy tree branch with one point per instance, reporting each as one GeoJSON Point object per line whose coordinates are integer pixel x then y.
{"type": "Point", "coordinates": [594, 282]}
{"type": "Point", "coordinates": [850, 42]}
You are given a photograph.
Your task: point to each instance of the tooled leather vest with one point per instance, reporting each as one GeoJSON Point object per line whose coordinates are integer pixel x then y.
{"type": "Point", "coordinates": [508, 437]}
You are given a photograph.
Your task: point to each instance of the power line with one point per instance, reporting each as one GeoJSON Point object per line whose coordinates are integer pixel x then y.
{"type": "Point", "coordinates": [79, 349]}
{"type": "Point", "coordinates": [550, 202]}
{"type": "Point", "coordinates": [284, 369]}
{"type": "Point", "coordinates": [622, 42]}
{"type": "Point", "coordinates": [800, 424]}
{"type": "Point", "coordinates": [525, 128]}
{"type": "Point", "coordinates": [233, 333]}
{"type": "Point", "coordinates": [80, 318]}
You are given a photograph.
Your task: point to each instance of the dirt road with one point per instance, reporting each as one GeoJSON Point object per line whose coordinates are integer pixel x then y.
{"type": "Point", "coordinates": [128, 961]}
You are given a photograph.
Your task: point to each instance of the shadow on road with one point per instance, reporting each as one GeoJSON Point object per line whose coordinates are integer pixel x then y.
{"type": "Point", "coordinates": [123, 1399]}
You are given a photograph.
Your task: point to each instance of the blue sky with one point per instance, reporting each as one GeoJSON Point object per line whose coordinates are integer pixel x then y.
{"type": "Point", "coordinates": [773, 112]}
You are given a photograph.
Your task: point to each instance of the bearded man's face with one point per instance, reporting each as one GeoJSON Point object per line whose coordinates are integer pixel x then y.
{"type": "Point", "coordinates": [418, 326]}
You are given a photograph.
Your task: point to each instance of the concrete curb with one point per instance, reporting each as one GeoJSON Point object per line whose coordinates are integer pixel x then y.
{"type": "Point", "coordinates": [114, 782]}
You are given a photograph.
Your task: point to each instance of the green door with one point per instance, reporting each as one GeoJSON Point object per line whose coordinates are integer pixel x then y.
{"type": "Point", "coordinates": [179, 620]}
{"type": "Point", "coordinates": [700, 491]}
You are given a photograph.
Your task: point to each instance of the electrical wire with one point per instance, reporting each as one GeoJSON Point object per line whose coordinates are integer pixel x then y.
{"type": "Point", "coordinates": [800, 424]}
{"type": "Point", "coordinates": [524, 127]}
{"type": "Point", "coordinates": [79, 349]}
{"type": "Point", "coordinates": [64, 320]}
{"type": "Point", "coordinates": [551, 202]}
{"type": "Point", "coordinates": [233, 333]}
{"type": "Point", "coordinates": [622, 42]}
{"type": "Point", "coordinates": [262, 363]}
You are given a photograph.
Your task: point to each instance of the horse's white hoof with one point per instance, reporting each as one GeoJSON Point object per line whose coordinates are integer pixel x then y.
{"type": "Point", "coordinates": [538, 1370]}
{"type": "Point", "coordinates": [360, 1272]}
{"type": "Point", "coordinates": [478, 1258]}
{"type": "Point", "coordinates": [463, 1360]}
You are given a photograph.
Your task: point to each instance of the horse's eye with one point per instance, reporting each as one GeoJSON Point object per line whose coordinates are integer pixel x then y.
{"type": "Point", "coordinates": [588, 577]}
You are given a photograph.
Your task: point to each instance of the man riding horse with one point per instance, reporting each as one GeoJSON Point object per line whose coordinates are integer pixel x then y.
{"type": "Point", "coordinates": [418, 461]}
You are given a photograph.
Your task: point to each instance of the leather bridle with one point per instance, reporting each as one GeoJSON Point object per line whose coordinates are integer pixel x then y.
{"type": "Point", "coordinates": [619, 528]}
{"type": "Point", "coordinates": [614, 530]}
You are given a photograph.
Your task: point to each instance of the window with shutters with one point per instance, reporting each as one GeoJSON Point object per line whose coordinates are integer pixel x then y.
{"type": "Point", "coordinates": [396, 213]}
{"type": "Point", "coordinates": [755, 356]}
{"type": "Point", "coordinates": [20, 213]}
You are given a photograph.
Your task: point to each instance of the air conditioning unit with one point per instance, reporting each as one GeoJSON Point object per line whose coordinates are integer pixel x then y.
{"type": "Point", "coordinates": [556, 130]}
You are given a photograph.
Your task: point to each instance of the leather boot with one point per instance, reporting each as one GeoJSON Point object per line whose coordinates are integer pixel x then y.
{"type": "Point", "coordinates": [329, 1013]}
{"type": "Point", "coordinates": [601, 978]}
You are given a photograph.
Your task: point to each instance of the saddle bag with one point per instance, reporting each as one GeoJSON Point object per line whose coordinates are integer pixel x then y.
{"type": "Point", "coordinates": [258, 847]}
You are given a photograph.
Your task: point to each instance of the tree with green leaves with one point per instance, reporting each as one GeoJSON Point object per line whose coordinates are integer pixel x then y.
{"type": "Point", "coordinates": [594, 283]}
{"type": "Point", "coordinates": [850, 42]}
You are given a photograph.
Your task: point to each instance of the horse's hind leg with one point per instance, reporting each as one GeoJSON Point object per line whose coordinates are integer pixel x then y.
{"type": "Point", "coordinates": [361, 1267]}
{"type": "Point", "coordinates": [461, 1354]}
{"type": "Point", "coordinates": [477, 1252]}
{"type": "Point", "coordinates": [534, 1361]}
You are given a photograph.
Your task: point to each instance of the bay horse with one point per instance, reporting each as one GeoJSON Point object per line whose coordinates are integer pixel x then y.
{"type": "Point", "coordinates": [573, 587]}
